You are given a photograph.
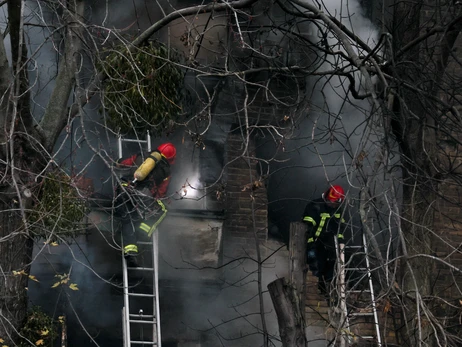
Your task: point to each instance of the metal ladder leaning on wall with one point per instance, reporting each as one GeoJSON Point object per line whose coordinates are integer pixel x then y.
{"type": "Point", "coordinates": [344, 292]}
{"type": "Point", "coordinates": [139, 321]}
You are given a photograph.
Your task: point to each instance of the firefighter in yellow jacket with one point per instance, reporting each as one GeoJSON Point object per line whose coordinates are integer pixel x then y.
{"type": "Point", "coordinates": [138, 201]}
{"type": "Point", "coordinates": [325, 223]}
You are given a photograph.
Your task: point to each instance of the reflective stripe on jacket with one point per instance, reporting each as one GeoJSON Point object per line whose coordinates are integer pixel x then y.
{"type": "Point", "coordinates": [323, 221]}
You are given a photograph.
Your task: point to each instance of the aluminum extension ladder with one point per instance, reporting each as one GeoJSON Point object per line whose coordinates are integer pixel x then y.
{"type": "Point", "coordinates": [139, 322]}
{"type": "Point", "coordinates": [141, 311]}
{"type": "Point", "coordinates": [345, 293]}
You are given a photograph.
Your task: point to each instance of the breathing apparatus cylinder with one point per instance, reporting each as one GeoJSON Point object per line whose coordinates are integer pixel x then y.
{"type": "Point", "coordinates": [147, 166]}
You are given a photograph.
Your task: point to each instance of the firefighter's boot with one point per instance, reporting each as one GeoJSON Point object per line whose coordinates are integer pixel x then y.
{"type": "Point", "coordinates": [130, 254]}
{"type": "Point", "coordinates": [131, 260]}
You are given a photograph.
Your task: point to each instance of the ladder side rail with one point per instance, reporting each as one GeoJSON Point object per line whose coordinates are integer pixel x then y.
{"type": "Point", "coordinates": [371, 288]}
{"type": "Point", "coordinates": [126, 315]}
{"type": "Point", "coordinates": [124, 328]}
{"type": "Point", "coordinates": [155, 259]}
{"type": "Point", "coordinates": [148, 140]}
{"type": "Point", "coordinates": [119, 146]}
{"type": "Point", "coordinates": [340, 250]}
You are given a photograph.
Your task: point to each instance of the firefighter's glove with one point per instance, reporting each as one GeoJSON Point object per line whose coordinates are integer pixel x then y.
{"type": "Point", "coordinates": [312, 262]}
{"type": "Point", "coordinates": [126, 181]}
{"type": "Point", "coordinates": [310, 245]}
{"type": "Point", "coordinates": [311, 255]}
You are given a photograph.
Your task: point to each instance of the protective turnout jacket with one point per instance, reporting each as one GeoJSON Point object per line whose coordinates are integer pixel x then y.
{"type": "Point", "coordinates": [158, 179]}
{"type": "Point", "coordinates": [138, 204]}
{"type": "Point", "coordinates": [324, 222]}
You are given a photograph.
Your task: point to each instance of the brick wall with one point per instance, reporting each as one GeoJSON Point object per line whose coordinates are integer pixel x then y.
{"type": "Point", "coordinates": [246, 225]}
{"type": "Point", "coordinates": [319, 314]}
{"type": "Point", "coordinates": [316, 308]}
{"type": "Point", "coordinates": [246, 200]}
{"type": "Point", "coordinates": [246, 196]}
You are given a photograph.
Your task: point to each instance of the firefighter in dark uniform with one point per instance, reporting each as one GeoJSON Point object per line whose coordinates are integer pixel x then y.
{"type": "Point", "coordinates": [138, 201]}
{"type": "Point", "coordinates": [325, 223]}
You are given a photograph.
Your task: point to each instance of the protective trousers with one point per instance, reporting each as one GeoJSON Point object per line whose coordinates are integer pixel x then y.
{"type": "Point", "coordinates": [136, 228]}
{"type": "Point", "coordinates": [321, 260]}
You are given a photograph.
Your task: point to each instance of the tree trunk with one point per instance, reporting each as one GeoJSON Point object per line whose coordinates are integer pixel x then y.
{"type": "Point", "coordinates": [16, 252]}
{"type": "Point", "coordinates": [21, 159]}
{"type": "Point", "coordinates": [15, 243]}
{"type": "Point", "coordinates": [50, 125]}
{"type": "Point", "coordinates": [297, 260]}
{"type": "Point", "coordinates": [288, 310]}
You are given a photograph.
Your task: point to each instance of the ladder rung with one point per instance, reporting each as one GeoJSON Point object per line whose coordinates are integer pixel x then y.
{"type": "Point", "coordinates": [133, 140]}
{"type": "Point", "coordinates": [144, 242]}
{"type": "Point", "coordinates": [142, 295]}
{"type": "Point", "coordinates": [152, 343]}
{"type": "Point", "coordinates": [136, 321]}
{"type": "Point", "coordinates": [353, 247]}
{"type": "Point", "coordinates": [361, 313]}
{"type": "Point", "coordinates": [355, 291]}
{"type": "Point", "coordinates": [356, 269]}
{"type": "Point", "coordinates": [141, 268]}
{"type": "Point", "coordinates": [137, 315]}
{"type": "Point", "coordinates": [366, 337]}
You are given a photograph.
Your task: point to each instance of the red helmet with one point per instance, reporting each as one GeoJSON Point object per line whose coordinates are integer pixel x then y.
{"type": "Point", "coordinates": [168, 150]}
{"type": "Point", "coordinates": [335, 194]}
